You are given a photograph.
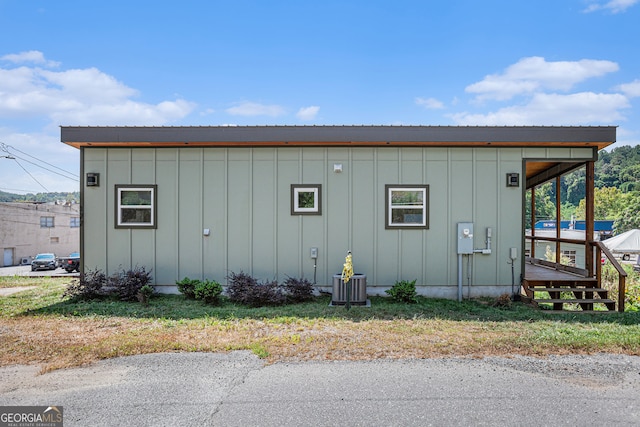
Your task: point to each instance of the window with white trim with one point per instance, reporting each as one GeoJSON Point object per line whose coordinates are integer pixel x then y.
{"type": "Point", "coordinates": [407, 206]}
{"type": "Point", "coordinates": [306, 199]}
{"type": "Point", "coordinates": [135, 206]}
{"type": "Point", "coordinates": [570, 257]}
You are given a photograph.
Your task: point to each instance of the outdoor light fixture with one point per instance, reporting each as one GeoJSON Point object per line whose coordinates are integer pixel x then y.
{"type": "Point", "coordinates": [513, 179]}
{"type": "Point", "coordinates": [337, 167]}
{"type": "Point", "coordinates": [93, 179]}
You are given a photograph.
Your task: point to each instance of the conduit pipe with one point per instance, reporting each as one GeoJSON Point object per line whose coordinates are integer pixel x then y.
{"type": "Point", "coordinates": [483, 251]}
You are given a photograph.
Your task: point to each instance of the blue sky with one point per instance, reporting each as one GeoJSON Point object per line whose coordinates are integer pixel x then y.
{"type": "Point", "coordinates": [493, 62]}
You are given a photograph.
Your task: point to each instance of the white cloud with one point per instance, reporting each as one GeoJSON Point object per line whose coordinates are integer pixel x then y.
{"type": "Point", "coordinates": [126, 113]}
{"type": "Point", "coordinates": [533, 74]}
{"type": "Point", "coordinates": [255, 109]}
{"type": "Point", "coordinates": [429, 103]}
{"type": "Point", "coordinates": [80, 97]}
{"type": "Point", "coordinates": [308, 113]}
{"type": "Point", "coordinates": [32, 56]}
{"type": "Point", "coordinates": [90, 85]}
{"type": "Point", "coordinates": [554, 109]}
{"type": "Point", "coordinates": [207, 112]}
{"type": "Point", "coordinates": [31, 91]}
{"type": "Point", "coordinates": [632, 90]}
{"type": "Point", "coordinates": [614, 6]}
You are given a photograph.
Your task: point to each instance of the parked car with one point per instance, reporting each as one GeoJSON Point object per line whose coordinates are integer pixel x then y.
{"type": "Point", "coordinates": [44, 262]}
{"type": "Point", "coordinates": [70, 263]}
{"type": "Point", "coordinates": [636, 265]}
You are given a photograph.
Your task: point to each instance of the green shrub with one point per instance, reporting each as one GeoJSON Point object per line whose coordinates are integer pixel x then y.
{"type": "Point", "coordinates": [404, 291]}
{"type": "Point", "coordinates": [145, 293]}
{"type": "Point", "coordinates": [632, 298]}
{"type": "Point", "coordinates": [632, 289]}
{"type": "Point", "coordinates": [208, 290]}
{"type": "Point", "coordinates": [187, 287]}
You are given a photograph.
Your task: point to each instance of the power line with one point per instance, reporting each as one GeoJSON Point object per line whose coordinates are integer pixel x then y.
{"type": "Point", "coordinates": [45, 188]}
{"type": "Point", "coordinates": [5, 148]}
{"type": "Point", "coordinates": [48, 170]}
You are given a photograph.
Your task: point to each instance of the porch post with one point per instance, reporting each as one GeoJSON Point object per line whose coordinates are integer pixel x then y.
{"type": "Point", "coordinates": [558, 218]}
{"type": "Point", "coordinates": [532, 246]}
{"type": "Point", "coordinates": [589, 215]}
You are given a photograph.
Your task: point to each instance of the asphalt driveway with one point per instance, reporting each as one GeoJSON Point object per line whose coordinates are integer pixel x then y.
{"type": "Point", "coordinates": [25, 270]}
{"type": "Point", "coordinates": [238, 389]}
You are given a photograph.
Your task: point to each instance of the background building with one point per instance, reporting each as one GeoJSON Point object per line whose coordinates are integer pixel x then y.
{"type": "Point", "coordinates": [27, 229]}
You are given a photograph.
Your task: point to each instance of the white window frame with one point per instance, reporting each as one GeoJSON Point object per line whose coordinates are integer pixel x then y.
{"type": "Point", "coordinates": [390, 207]}
{"type": "Point", "coordinates": [119, 190]}
{"type": "Point", "coordinates": [316, 189]}
{"type": "Point", "coordinates": [571, 255]}
{"type": "Point", "coordinates": [74, 222]}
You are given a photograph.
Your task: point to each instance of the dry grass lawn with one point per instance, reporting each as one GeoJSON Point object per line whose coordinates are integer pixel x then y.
{"type": "Point", "coordinates": [38, 327]}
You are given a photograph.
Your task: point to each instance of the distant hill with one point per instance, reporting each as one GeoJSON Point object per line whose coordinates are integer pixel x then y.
{"type": "Point", "coordinates": [619, 168]}
{"type": "Point", "coordinates": [39, 197]}
{"type": "Point", "coordinates": [617, 191]}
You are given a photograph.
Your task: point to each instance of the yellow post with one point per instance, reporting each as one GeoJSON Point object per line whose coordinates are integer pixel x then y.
{"type": "Point", "coordinates": [347, 272]}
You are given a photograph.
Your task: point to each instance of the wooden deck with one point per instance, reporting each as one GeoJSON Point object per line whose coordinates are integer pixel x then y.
{"type": "Point", "coordinates": [534, 273]}
{"type": "Point", "coordinates": [541, 280]}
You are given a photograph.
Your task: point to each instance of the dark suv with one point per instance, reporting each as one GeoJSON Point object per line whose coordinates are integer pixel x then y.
{"type": "Point", "coordinates": [44, 262]}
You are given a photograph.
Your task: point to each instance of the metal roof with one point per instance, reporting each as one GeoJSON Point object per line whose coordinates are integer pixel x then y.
{"type": "Point", "coordinates": [161, 136]}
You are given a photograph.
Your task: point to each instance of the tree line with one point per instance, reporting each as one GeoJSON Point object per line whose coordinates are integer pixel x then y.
{"type": "Point", "coordinates": [617, 191]}
{"type": "Point", "coordinates": [73, 196]}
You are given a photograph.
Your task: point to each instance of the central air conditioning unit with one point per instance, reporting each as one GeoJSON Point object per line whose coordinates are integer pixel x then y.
{"type": "Point", "coordinates": [358, 285]}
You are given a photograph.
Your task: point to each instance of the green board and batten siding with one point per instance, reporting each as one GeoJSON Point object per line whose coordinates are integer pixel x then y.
{"type": "Point", "coordinates": [243, 196]}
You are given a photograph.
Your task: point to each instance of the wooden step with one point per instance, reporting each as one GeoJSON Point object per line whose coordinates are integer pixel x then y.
{"type": "Point", "coordinates": [548, 289]}
{"type": "Point", "coordinates": [581, 311]}
{"type": "Point", "coordinates": [575, 301]}
{"type": "Point", "coordinates": [586, 304]}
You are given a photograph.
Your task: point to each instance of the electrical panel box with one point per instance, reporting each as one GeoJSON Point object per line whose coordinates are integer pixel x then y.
{"type": "Point", "coordinates": [465, 238]}
{"type": "Point", "coordinates": [313, 253]}
{"type": "Point", "coordinates": [513, 253]}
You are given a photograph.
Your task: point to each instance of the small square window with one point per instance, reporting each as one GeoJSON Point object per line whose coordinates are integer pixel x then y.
{"type": "Point", "coordinates": [135, 206]}
{"type": "Point", "coordinates": [75, 222]}
{"type": "Point", "coordinates": [47, 222]}
{"type": "Point", "coordinates": [407, 206]}
{"type": "Point", "coordinates": [306, 199]}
